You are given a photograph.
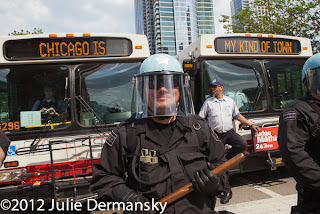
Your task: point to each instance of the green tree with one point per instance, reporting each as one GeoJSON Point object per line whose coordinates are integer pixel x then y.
{"type": "Point", "coordinates": [285, 17]}
{"type": "Point", "coordinates": [22, 32]}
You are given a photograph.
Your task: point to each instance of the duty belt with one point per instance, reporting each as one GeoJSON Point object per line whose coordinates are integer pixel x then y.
{"type": "Point", "coordinates": [223, 133]}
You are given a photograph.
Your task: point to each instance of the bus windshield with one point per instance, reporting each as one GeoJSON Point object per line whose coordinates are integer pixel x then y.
{"type": "Point", "coordinates": [243, 81]}
{"type": "Point", "coordinates": [32, 97]}
{"type": "Point", "coordinates": [285, 81]}
{"type": "Point", "coordinates": [36, 97]}
{"type": "Point", "coordinates": [105, 92]}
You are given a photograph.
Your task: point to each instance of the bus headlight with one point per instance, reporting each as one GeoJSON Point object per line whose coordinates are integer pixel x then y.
{"type": "Point", "coordinates": [12, 175]}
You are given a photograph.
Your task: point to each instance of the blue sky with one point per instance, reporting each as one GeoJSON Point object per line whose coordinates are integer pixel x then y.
{"type": "Point", "coordinates": [73, 16]}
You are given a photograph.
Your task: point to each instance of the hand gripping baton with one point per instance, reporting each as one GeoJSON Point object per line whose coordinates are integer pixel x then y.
{"type": "Point", "coordinates": [189, 188]}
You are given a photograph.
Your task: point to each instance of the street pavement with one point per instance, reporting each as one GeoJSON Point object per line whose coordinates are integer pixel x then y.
{"type": "Point", "coordinates": [269, 193]}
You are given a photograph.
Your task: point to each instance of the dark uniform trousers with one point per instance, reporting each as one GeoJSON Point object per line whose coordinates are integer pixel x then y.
{"type": "Point", "coordinates": [235, 140]}
{"type": "Point", "coordinates": [300, 152]}
{"type": "Point", "coordinates": [238, 145]}
{"type": "Point", "coordinates": [186, 153]}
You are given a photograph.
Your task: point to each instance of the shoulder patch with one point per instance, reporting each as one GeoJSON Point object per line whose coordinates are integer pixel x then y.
{"type": "Point", "coordinates": [111, 138]}
{"type": "Point", "coordinates": [290, 115]}
{"type": "Point", "coordinates": [215, 136]}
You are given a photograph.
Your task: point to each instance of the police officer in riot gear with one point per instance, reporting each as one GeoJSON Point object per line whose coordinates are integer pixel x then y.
{"type": "Point", "coordinates": [163, 146]}
{"type": "Point", "coordinates": [299, 139]}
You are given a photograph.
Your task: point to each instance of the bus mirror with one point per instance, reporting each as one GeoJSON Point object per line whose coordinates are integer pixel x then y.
{"type": "Point", "coordinates": [188, 67]}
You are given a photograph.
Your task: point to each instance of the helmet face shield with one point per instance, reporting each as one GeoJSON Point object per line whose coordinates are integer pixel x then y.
{"type": "Point", "coordinates": [159, 94]}
{"type": "Point", "coordinates": [313, 81]}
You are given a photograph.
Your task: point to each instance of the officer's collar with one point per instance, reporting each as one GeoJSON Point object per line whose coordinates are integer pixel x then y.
{"type": "Point", "coordinates": [184, 123]}
{"type": "Point", "coordinates": [310, 97]}
{"type": "Point", "coordinates": [143, 125]}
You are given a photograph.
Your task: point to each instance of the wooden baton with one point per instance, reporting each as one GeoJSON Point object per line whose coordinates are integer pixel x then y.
{"type": "Point", "coordinates": [189, 188]}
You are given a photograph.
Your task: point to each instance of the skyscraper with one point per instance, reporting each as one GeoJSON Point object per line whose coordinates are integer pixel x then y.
{"type": "Point", "coordinates": [237, 5]}
{"type": "Point", "coordinates": [171, 25]}
{"type": "Point", "coordinates": [205, 17]}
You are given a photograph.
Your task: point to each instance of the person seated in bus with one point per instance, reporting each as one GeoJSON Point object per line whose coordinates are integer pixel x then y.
{"type": "Point", "coordinates": [219, 111]}
{"type": "Point", "coordinates": [51, 108]}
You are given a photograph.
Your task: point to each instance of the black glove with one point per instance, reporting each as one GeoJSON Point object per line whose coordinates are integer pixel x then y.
{"type": "Point", "coordinates": [205, 181]}
{"type": "Point", "coordinates": [134, 196]}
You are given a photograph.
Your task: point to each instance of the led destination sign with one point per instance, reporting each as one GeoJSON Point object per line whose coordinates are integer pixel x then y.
{"type": "Point", "coordinates": [63, 48]}
{"type": "Point", "coordinates": [258, 45]}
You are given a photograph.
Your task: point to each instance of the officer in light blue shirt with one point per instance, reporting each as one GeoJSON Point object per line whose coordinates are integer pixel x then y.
{"type": "Point", "coordinates": [219, 111]}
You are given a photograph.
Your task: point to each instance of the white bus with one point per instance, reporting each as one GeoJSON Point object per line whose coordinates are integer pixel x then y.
{"type": "Point", "coordinates": [261, 72]}
{"type": "Point", "coordinates": [57, 135]}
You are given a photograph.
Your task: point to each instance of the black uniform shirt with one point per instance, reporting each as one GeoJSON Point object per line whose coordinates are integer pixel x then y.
{"type": "Point", "coordinates": [301, 156]}
{"type": "Point", "coordinates": [186, 152]}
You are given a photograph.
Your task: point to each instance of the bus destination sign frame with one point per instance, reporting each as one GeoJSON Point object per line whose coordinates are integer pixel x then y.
{"type": "Point", "coordinates": [257, 45]}
{"type": "Point", "coordinates": [66, 48]}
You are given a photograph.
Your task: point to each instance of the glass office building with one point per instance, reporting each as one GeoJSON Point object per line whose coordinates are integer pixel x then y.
{"type": "Point", "coordinates": [144, 21]}
{"type": "Point", "coordinates": [237, 5]}
{"type": "Point", "coordinates": [205, 17]}
{"type": "Point", "coordinates": [138, 7]}
{"type": "Point", "coordinates": [171, 25]}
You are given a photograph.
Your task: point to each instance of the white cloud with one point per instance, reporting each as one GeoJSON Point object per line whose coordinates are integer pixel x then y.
{"type": "Point", "coordinates": [71, 16]}
{"type": "Point", "coordinates": [20, 14]}
{"type": "Point", "coordinates": [120, 2]}
{"type": "Point", "coordinates": [67, 16]}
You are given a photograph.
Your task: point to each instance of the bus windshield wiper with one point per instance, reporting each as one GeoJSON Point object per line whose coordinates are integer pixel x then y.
{"type": "Point", "coordinates": [259, 90]}
{"type": "Point", "coordinates": [44, 131]}
{"type": "Point", "coordinates": [89, 108]}
{"type": "Point", "coordinates": [276, 93]}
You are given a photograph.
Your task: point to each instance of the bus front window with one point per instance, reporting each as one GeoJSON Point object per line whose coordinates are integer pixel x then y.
{"type": "Point", "coordinates": [32, 98]}
{"type": "Point", "coordinates": [105, 93]}
{"type": "Point", "coordinates": [285, 81]}
{"type": "Point", "coordinates": [243, 82]}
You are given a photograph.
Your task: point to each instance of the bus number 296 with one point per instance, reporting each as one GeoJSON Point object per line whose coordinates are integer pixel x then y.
{"type": "Point", "coordinates": [10, 126]}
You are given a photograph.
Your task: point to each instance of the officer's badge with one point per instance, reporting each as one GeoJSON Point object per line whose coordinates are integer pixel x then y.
{"type": "Point", "coordinates": [111, 138]}
{"type": "Point", "coordinates": [290, 115]}
{"type": "Point", "coordinates": [148, 156]}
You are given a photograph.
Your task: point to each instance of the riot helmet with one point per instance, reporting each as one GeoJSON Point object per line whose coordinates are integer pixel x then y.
{"type": "Point", "coordinates": [161, 89]}
{"type": "Point", "coordinates": [311, 74]}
